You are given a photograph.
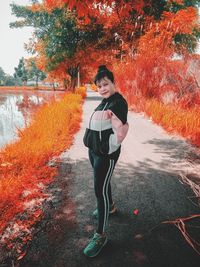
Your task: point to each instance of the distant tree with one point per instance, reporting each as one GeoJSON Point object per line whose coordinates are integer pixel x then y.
{"type": "Point", "coordinates": [9, 80]}
{"type": "Point", "coordinates": [21, 72]}
{"type": "Point", "coordinates": [2, 76]}
{"type": "Point", "coordinates": [33, 72]}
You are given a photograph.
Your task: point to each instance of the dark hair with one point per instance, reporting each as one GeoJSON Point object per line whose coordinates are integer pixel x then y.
{"type": "Point", "coordinates": [102, 73]}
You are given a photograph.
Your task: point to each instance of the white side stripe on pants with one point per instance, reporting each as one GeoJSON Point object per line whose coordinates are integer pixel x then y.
{"type": "Point", "coordinates": [112, 168]}
{"type": "Point", "coordinates": [105, 192]}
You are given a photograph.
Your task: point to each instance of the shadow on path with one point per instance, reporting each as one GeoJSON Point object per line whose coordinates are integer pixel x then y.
{"type": "Point", "coordinates": [134, 240]}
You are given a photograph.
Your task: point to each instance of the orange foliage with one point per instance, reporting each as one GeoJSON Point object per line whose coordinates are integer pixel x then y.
{"type": "Point", "coordinates": [180, 2]}
{"type": "Point", "coordinates": [145, 76]}
{"type": "Point", "coordinates": [24, 163]}
{"type": "Point", "coordinates": [182, 21]}
{"type": "Point", "coordinates": [59, 74]}
{"type": "Point", "coordinates": [167, 90]}
{"type": "Point", "coordinates": [174, 81]}
{"type": "Point", "coordinates": [93, 87]}
{"type": "Point", "coordinates": [81, 90]}
{"type": "Point", "coordinates": [175, 119]}
{"type": "Point", "coordinates": [172, 118]}
{"type": "Point", "coordinates": [51, 4]}
{"type": "Point", "coordinates": [159, 38]}
{"type": "Point", "coordinates": [101, 10]}
{"type": "Point", "coordinates": [138, 5]}
{"type": "Point", "coordinates": [82, 7]}
{"type": "Point", "coordinates": [85, 7]}
{"type": "Point", "coordinates": [88, 60]}
{"type": "Point", "coordinates": [41, 61]}
{"type": "Point", "coordinates": [35, 7]}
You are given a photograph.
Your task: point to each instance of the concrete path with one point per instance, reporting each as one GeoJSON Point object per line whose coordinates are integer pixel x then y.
{"type": "Point", "coordinates": [146, 178]}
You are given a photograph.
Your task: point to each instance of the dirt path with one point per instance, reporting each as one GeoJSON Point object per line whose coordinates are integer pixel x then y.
{"type": "Point", "coordinates": [146, 178]}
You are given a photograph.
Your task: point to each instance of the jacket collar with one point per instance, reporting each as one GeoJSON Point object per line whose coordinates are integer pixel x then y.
{"type": "Point", "coordinates": [110, 98]}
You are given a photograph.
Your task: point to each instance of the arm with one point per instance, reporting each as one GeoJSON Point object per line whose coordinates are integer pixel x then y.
{"type": "Point", "coordinates": [120, 131]}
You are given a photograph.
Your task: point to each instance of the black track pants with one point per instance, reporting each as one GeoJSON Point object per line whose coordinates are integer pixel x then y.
{"type": "Point", "coordinates": [103, 168]}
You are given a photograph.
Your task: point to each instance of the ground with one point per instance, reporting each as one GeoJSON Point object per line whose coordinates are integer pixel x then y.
{"type": "Point", "coordinates": [147, 178]}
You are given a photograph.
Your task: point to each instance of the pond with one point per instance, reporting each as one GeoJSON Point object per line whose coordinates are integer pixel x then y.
{"type": "Point", "coordinates": [16, 108]}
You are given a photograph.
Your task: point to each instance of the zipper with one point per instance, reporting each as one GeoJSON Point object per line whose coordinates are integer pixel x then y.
{"type": "Point", "coordinates": [101, 120]}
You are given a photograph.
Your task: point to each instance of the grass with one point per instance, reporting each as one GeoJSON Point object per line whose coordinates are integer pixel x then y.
{"type": "Point", "coordinates": [172, 117]}
{"type": "Point", "coordinates": [24, 163]}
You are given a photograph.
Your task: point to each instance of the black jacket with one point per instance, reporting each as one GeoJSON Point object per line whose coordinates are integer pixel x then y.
{"type": "Point", "coordinates": [108, 125]}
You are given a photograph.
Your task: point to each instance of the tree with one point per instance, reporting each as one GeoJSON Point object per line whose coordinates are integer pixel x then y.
{"type": "Point", "coordinates": [2, 76]}
{"type": "Point", "coordinates": [34, 72]}
{"type": "Point", "coordinates": [9, 80]}
{"type": "Point", "coordinates": [21, 72]}
{"type": "Point", "coordinates": [60, 40]}
{"type": "Point", "coordinates": [133, 19]}
{"type": "Point", "coordinates": [66, 31]}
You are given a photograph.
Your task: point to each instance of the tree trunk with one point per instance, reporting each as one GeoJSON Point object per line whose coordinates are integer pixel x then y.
{"type": "Point", "coordinates": [78, 79]}
{"type": "Point", "coordinates": [73, 83]}
{"type": "Point", "coordinates": [54, 88]}
{"type": "Point", "coordinates": [73, 72]}
{"type": "Point", "coordinates": [36, 81]}
{"type": "Point", "coordinates": [65, 84]}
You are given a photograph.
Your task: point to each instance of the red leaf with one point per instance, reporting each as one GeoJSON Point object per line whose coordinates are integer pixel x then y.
{"type": "Point", "coordinates": [136, 212]}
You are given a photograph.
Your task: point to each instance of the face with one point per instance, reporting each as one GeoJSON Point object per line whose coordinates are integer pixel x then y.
{"type": "Point", "coordinates": [105, 87]}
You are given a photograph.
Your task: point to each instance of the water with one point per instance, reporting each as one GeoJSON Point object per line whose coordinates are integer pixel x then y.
{"type": "Point", "coordinates": [16, 108]}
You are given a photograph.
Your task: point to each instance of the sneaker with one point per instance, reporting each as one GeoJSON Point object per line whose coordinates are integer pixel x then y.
{"type": "Point", "coordinates": [113, 210]}
{"type": "Point", "coordinates": [95, 245]}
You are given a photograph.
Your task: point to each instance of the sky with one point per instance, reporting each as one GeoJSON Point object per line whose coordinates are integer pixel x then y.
{"type": "Point", "coordinates": [12, 40]}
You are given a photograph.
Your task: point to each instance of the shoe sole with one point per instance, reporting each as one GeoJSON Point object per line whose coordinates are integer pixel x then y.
{"type": "Point", "coordinates": [105, 242]}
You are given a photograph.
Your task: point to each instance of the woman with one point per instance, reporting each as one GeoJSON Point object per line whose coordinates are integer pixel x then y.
{"type": "Point", "coordinates": [107, 129]}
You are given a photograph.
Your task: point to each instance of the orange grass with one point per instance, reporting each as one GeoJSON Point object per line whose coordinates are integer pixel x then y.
{"type": "Point", "coordinates": [23, 164]}
{"type": "Point", "coordinates": [81, 90]}
{"type": "Point", "coordinates": [93, 87]}
{"type": "Point", "coordinates": [185, 122]}
{"type": "Point", "coordinates": [166, 90]}
{"type": "Point", "coordinates": [173, 118]}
